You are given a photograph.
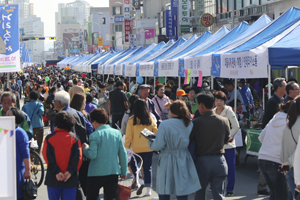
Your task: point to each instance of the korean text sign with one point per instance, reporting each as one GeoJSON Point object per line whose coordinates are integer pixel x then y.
{"type": "Point", "coordinates": [9, 31]}
{"type": "Point", "coordinates": [127, 30]}
{"type": "Point", "coordinates": [184, 16]}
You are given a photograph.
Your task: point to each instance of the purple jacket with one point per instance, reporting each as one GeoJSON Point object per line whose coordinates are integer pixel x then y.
{"type": "Point", "coordinates": [89, 107]}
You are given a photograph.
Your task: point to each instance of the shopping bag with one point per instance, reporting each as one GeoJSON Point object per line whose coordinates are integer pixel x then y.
{"type": "Point", "coordinates": [124, 193]}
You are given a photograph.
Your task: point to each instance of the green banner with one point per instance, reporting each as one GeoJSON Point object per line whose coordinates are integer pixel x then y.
{"type": "Point", "coordinates": [90, 33]}
{"type": "Point", "coordinates": [253, 143]}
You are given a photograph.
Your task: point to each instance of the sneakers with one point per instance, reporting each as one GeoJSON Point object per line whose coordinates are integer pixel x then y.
{"type": "Point", "coordinates": [140, 187]}
{"type": "Point", "coordinates": [148, 192]}
{"type": "Point", "coordinates": [133, 184]}
{"type": "Point", "coordinates": [229, 194]}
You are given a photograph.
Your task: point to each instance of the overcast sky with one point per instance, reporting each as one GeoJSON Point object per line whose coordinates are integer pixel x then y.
{"type": "Point", "coordinates": [46, 10]}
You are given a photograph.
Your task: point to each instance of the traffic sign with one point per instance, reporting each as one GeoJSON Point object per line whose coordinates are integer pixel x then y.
{"type": "Point", "coordinates": [100, 42]}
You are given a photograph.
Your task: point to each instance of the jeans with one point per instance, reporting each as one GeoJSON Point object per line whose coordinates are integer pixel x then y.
{"type": "Point", "coordinates": [291, 181]}
{"type": "Point", "coordinates": [116, 119]}
{"type": "Point", "coordinates": [147, 167]}
{"type": "Point", "coordinates": [65, 193]}
{"type": "Point", "coordinates": [167, 197]}
{"type": "Point", "coordinates": [109, 183]}
{"type": "Point", "coordinates": [211, 169]}
{"type": "Point", "coordinates": [275, 180]}
{"type": "Point", "coordinates": [230, 160]}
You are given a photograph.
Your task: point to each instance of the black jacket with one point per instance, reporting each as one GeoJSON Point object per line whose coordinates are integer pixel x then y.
{"type": "Point", "coordinates": [271, 109]}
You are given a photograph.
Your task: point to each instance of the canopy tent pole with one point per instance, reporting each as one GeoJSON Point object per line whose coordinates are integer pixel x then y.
{"type": "Point", "coordinates": [212, 83]}
{"type": "Point", "coordinates": [145, 80]}
{"type": "Point", "coordinates": [263, 93]}
{"type": "Point", "coordinates": [269, 81]}
{"type": "Point", "coordinates": [154, 86]}
{"type": "Point", "coordinates": [286, 74]}
{"type": "Point", "coordinates": [179, 82]}
{"type": "Point", "coordinates": [235, 95]}
{"type": "Point", "coordinates": [165, 80]}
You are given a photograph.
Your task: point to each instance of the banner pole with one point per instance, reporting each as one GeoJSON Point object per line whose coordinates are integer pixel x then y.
{"type": "Point", "coordinates": [154, 85]}
{"type": "Point", "coordinates": [235, 95]}
{"type": "Point", "coordinates": [179, 82]}
{"type": "Point", "coordinates": [212, 83]}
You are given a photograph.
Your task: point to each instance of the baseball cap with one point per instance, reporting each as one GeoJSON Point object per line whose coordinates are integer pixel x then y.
{"type": "Point", "coordinates": [181, 93]}
{"type": "Point", "coordinates": [144, 86]}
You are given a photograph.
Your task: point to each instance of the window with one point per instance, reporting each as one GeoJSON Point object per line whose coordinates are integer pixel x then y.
{"type": "Point", "coordinates": [117, 10]}
{"type": "Point", "coordinates": [102, 20]}
{"type": "Point", "coordinates": [118, 28]}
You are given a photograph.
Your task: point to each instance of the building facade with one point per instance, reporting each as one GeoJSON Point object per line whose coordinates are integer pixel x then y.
{"type": "Point", "coordinates": [79, 9]}
{"type": "Point", "coordinates": [34, 27]}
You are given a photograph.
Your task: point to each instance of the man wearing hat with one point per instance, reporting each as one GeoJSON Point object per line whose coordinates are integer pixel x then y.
{"type": "Point", "coordinates": [168, 91]}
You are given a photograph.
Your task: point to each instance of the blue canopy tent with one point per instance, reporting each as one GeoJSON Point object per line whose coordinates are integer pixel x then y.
{"type": "Point", "coordinates": [250, 59]}
{"type": "Point", "coordinates": [192, 46]}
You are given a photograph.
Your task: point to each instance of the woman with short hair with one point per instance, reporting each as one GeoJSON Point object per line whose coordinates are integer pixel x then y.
{"type": "Point", "coordinates": [108, 157]}
{"type": "Point", "coordinates": [176, 169]}
{"type": "Point", "coordinates": [159, 100]}
{"type": "Point", "coordinates": [63, 155]}
{"type": "Point", "coordinates": [230, 148]}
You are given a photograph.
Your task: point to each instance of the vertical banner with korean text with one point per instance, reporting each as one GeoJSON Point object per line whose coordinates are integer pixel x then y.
{"type": "Point", "coordinates": [89, 33]}
{"type": "Point", "coordinates": [9, 31]}
{"type": "Point", "coordinates": [127, 30]}
{"type": "Point", "coordinates": [169, 27]}
{"type": "Point", "coordinates": [184, 16]}
{"type": "Point", "coordinates": [174, 13]}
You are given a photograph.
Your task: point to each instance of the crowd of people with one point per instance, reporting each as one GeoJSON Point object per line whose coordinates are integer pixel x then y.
{"type": "Point", "coordinates": [95, 123]}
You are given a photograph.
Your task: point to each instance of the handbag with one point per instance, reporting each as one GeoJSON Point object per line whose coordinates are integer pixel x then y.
{"type": "Point", "coordinates": [29, 190]}
{"type": "Point", "coordinates": [164, 115]}
{"type": "Point", "coordinates": [124, 193]}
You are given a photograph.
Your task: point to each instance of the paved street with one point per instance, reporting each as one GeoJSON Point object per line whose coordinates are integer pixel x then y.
{"type": "Point", "coordinates": [245, 186]}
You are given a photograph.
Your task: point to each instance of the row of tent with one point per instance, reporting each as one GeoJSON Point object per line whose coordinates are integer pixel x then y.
{"type": "Point", "coordinates": [244, 52]}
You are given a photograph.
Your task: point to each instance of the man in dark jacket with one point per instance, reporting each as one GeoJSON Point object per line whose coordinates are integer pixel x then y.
{"type": "Point", "coordinates": [61, 103]}
{"type": "Point", "coordinates": [272, 107]}
{"type": "Point", "coordinates": [210, 133]}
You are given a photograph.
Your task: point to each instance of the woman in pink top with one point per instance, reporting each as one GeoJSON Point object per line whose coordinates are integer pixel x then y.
{"type": "Point", "coordinates": [160, 100]}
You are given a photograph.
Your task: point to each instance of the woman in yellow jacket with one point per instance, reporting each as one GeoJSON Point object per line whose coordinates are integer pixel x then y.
{"type": "Point", "coordinates": [137, 122]}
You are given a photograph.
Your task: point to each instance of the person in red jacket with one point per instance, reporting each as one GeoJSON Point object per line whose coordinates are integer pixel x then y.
{"type": "Point", "coordinates": [63, 155]}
